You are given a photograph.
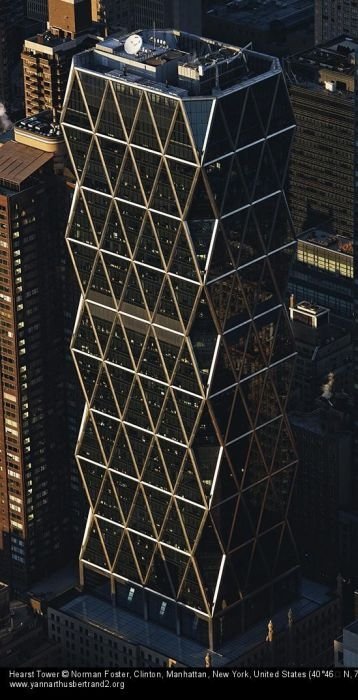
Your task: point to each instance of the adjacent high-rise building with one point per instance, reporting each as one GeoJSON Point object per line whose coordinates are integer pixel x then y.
{"type": "Point", "coordinates": [185, 16]}
{"type": "Point", "coordinates": [35, 462]}
{"type": "Point", "coordinates": [11, 35]}
{"type": "Point", "coordinates": [38, 10]}
{"type": "Point", "coordinates": [335, 18]}
{"type": "Point", "coordinates": [47, 57]}
{"type": "Point", "coordinates": [181, 239]}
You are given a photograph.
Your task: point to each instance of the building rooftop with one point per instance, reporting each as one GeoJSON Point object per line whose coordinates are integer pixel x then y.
{"type": "Point", "coordinates": [18, 162]}
{"type": "Point", "coordinates": [175, 62]}
{"type": "Point", "coordinates": [128, 626]}
{"type": "Point", "coordinates": [338, 55]}
{"type": "Point", "coordinates": [41, 124]}
{"type": "Point", "coordinates": [323, 239]}
{"type": "Point", "coordinates": [261, 13]}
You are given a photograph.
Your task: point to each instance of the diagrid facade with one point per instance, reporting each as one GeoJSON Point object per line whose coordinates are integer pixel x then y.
{"type": "Point", "coordinates": [181, 239]}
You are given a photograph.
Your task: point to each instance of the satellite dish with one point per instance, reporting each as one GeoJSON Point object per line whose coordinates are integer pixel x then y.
{"type": "Point", "coordinates": [133, 44]}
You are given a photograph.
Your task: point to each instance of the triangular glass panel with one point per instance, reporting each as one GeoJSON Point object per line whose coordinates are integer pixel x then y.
{"type": "Point", "coordinates": [206, 449]}
{"type": "Point", "coordinates": [107, 505]}
{"type": "Point", "coordinates": [229, 591]}
{"type": "Point", "coordinates": [267, 296]}
{"type": "Point", "coordinates": [191, 593]}
{"type": "Point", "coordinates": [79, 146]}
{"type": "Point", "coordinates": [94, 174]}
{"type": "Point", "coordinates": [121, 458]}
{"type": "Point", "coordinates": [93, 88]}
{"type": "Point", "coordinates": [118, 352]}
{"type": "Point", "coordinates": [170, 345]}
{"type": "Point", "coordinates": [280, 147]}
{"type": "Point", "coordinates": [201, 233]}
{"type": "Point", "coordinates": [179, 144]}
{"type": "Point", "coordinates": [198, 113]}
{"type": "Point", "coordinates": [151, 363]}
{"type": "Point", "coordinates": [223, 516]}
{"type": "Point", "coordinates": [109, 122]}
{"type": "Point", "coordinates": [287, 556]}
{"type": "Point", "coordinates": [94, 551]}
{"type": "Point", "coordinates": [148, 164]}
{"type": "Point", "coordinates": [203, 335]}
{"type": "Point", "coordinates": [239, 420]}
{"type": "Point", "coordinates": [163, 197]}
{"type": "Point", "coordinates": [172, 532]}
{"type": "Point", "coordinates": [242, 531]}
{"type": "Point", "coordinates": [163, 109]}
{"type": "Point", "coordinates": [186, 294]}
{"type": "Point", "coordinates": [140, 443]}
{"type": "Point", "coordinates": [111, 535]}
{"type": "Point", "coordinates": [259, 572]}
{"type": "Point", "coordinates": [256, 467]}
{"type": "Point", "coordinates": [237, 310]}
{"type": "Point", "coordinates": [255, 500]}
{"type": "Point", "coordinates": [220, 294]}
{"type": "Point", "coordinates": [219, 141]}
{"type": "Point", "coordinates": [238, 453]}
{"type": "Point", "coordinates": [125, 564]}
{"type": "Point", "coordinates": [76, 112]}
{"type": "Point", "coordinates": [99, 283]}
{"type": "Point", "coordinates": [269, 406]}
{"type": "Point", "coordinates": [158, 579]}
{"type": "Point", "coordinates": [80, 226]}
{"type": "Point", "coordinates": [154, 395]}
{"type": "Point", "coordinates": [201, 206]}
{"type": "Point", "coordinates": [233, 106]}
{"type": "Point", "coordinates": [275, 502]}
{"type": "Point", "coordinates": [148, 247]}
{"type": "Point", "coordinates": [84, 258]}
{"type": "Point", "coordinates": [102, 320]}
{"type": "Point", "coordinates": [166, 230]}
{"type": "Point", "coordinates": [132, 218]}
{"type": "Point", "coordinates": [247, 163]}
{"type": "Point", "coordinates": [154, 473]}
{"type": "Point", "coordinates": [281, 376]}
{"type": "Point", "coordinates": [121, 382]}
{"type": "Point", "coordinates": [107, 431]}
{"type": "Point", "coordinates": [136, 411]}
{"type": "Point", "coordinates": [135, 338]}
{"type": "Point", "coordinates": [266, 180]}
{"type": "Point", "coordinates": [218, 177]}
{"type": "Point", "coordinates": [151, 282]}
{"type": "Point", "coordinates": [103, 397]}
{"type": "Point", "coordinates": [113, 155]}
{"type": "Point", "coordinates": [185, 376]}
{"type": "Point", "coordinates": [166, 308]}
{"type": "Point", "coordinates": [87, 368]}
{"type": "Point", "coordinates": [237, 194]}
{"type": "Point", "coordinates": [269, 545]}
{"type": "Point", "coordinates": [128, 100]}
{"type": "Point", "coordinates": [125, 490]}
{"type": "Point", "coordinates": [139, 518]}
{"type": "Point", "coordinates": [192, 517]}
{"type": "Point", "coordinates": [223, 375]}
{"type": "Point", "coordinates": [113, 239]}
{"type": "Point", "coordinates": [183, 261]}
{"type": "Point", "coordinates": [226, 485]}
{"type": "Point", "coordinates": [264, 215]}
{"type": "Point", "coordinates": [283, 231]}
{"type": "Point", "coordinates": [285, 450]}
{"type": "Point", "coordinates": [188, 484]}
{"type": "Point", "coordinates": [188, 407]}
{"type": "Point", "coordinates": [267, 439]}
{"type": "Point", "coordinates": [117, 269]}
{"type": "Point", "coordinates": [128, 186]}
{"type": "Point", "coordinates": [265, 327]}
{"type": "Point", "coordinates": [133, 294]}
{"type": "Point", "coordinates": [263, 92]}
{"type": "Point", "coordinates": [281, 115]}
{"type": "Point", "coordinates": [169, 425]}
{"type": "Point", "coordinates": [176, 564]}
{"type": "Point", "coordinates": [144, 549]}
{"type": "Point", "coordinates": [221, 406]}
{"type": "Point", "coordinates": [182, 177]}
{"type": "Point", "coordinates": [89, 444]}
{"type": "Point", "coordinates": [284, 344]}
{"type": "Point", "coordinates": [250, 128]}
{"type": "Point", "coordinates": [281, 263]}
{"type": "Point", "coordinates": [98, 206]}
{"type": "Point", "coordinates": [173, 456]}
{"type": "Point", "coordinates": [221, 261]}
{"type": "Point", "coordinates": [235, 342]}
{"type": "Point", "coordinates": [144, 133]}
{"type": "Point", "coordinates": [92, 476]}
{"type": "Point", "coordinates": [85, 338]}
{"type": "Point", "coordinates": [234, 230]}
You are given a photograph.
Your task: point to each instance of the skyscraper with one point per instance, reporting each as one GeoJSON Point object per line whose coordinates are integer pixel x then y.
{"type": "Point", "coordinates": [11, 36]}
{"type": "Point", "coordinates": [181, 240]}
{"type": "Point", "coordinates": [335, 18]}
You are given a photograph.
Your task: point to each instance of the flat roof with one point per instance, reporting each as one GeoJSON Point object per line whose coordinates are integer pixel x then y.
{"type": "Point", "coordinates": [337, 55]}
{"type": "Point", "coordinates": [18, 162]}
{"type": "Point", "coordinates": [331, 241]}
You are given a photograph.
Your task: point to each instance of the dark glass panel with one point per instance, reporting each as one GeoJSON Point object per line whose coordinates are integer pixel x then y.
{"type": "Point", "coordinates": [148, 247]}
{"type": "Point", "coordinates": [218, 176]}
{"type": "Point", "coordinates": [128, 186]}
{"type": "Point", "coordinates": [188, 407]}
{"type": "Point", "coordinates": [103, 397]}
{"type": "Point", "coordinates": [169, 425]}
{"type": "Point", "coordinates": [163, 109]}
{"type": "Point", "coordinates": [243, 531]}
{"type": "Point", "coordinates": [117, 269]}
{"type": "Point", "coordinates": [109, 122]}
{"type": "Point", "coordinates": [223, 516]}
{"type": "Point", "coordinates": [172, 532]}
{"type": "Point", "coordinates": [284, 343]}
{"type": "Point", "coordinates": [183, 261]}
{"type": "Point", "coordinates": [98, 206]}
{"type": "Point", "coordinates": [136, 333]}
{"type": "Point", "coordinates": [203, 336]}
{"type": "Point", "coordinates": [250, 128]}
{"type": "Point", "coordinates": [269, 545]}
{"type": "Point", "coordinates": [239, 420]}
{"type": "Point", "coordinates": [118, 350]}
{"type": "Point", "coordinates": [198, 113]}
{"type": "Point", "coordinates": [76, 112]}
{"type": "Point", "coordinates": [200, 206]}
{"type": "Point", "coordinates": [128, 100]}
{"type": "Point", "coordinates": [113, 155]}
{"type": "Point", "coordinates": [79, 144]}
{"type": "Point", "coordinates": [133, 296]}
{"type": "Point", "coordinates": [88, 370]}
{"type": "Point", "coordinates": [107, 431]}
{"type": "Point", "coordinates": [89, 445]}
{"type": "Point", "coordinates": [237, 195]}
{"type": "Point", "coordinates": [176, 563]}
{"type": "Point", "coordinates": [282, 115]}
{"type": "Point", "coordinates": [163, 195]}
{"type": "Point", "coordinates": [144, 133]}
{"type": "Point", "coordinates": [191, 593]}
{"type": "Point", "coordinates": [111, 535]}
{"type": "Point", "coordinates": [182, 177]}
{"type": "Point", "coordinates": [107, 505]}
{"type": "Point", "coordinates": [121, 382]}
{"type": "Point", "coordinates": [280, 148]}
{"type": "Point", "coordinates": [235, 342]}
{"type": "Point", "coordinates": [263, 93]}
{"type": "Point", "coordinates": [94, 551]}
{"type": "Point", "coordinates": [113, 238]}
{"type": "Point", "coordinates": [95, 177]}
{"type": "Point", "coordinates": [234, 229]}
{"type": "Point", "coordinates": [140, 443]}
{"type": "Point", "coordinates": [126, 490]}
{"type": "Point", "coordinates": [247, 161]}
{"type": "Point", "coordinates": [266, 180]}
{"type": "Point", "coordinates": [206, 449]}
{"type": "Point", "coordinates": [148, 164]}
{"type": "Point", "coordinates": [267, 439]}
{"type": "Point", "coordinates": [192, 516]}
{"type": "Point", "coordinates": [158, 578]}
{"type": "Point", "coordinates": [237, 306]}
{"type": "Point", "coordinates": [232, 107]}
{"type": "Point", "coordinates": [93, 478]}
{"type": "Point", "coordinates": [220, 259]}
{"type": "Point", "coordinates": [144, 550]}
{"type": "Point", "coordinates": [125, 564]}
{"type": "Point", "coordinates": [238, 453]}
{"type": "Point", "coordinates": [285, 451]}
{"type": "Point", "coordinates": [166, 308]}
{"type": "Point", "coordinates": [151, 363]}
{"type": "Point", "coordinates": [256, 468]}
{"type": "Point", "coordinates": [154, 395]}
{"type": "Point", "coordinates": [282, 231]}
{"type": "Point", "coordinates": [173, 456]}
{"type": "Point", "coordinates": [185, 376]}
{"type": "Point", "coordinates": [121, 459]}
{"type": "Point", "coordinates": [81, 228]}
{"type": "Point", "coordinates": [154, 473]}
{"type": "Point", "coordinates": [221, 405]}
{"type": "Point", "coordinates": [179, 144]}
{"type": "Point", "coordinates": [188, 485]}
{"type": "Point", "coordinates": [281, 262]}
{"type": "Point", "coordinates": [186, 293]}
{"type": "Point", "coordinates": [139, 518]}
{"type": "Point", "coordinates": [85, 338]}
{"type": "Point", "coordinates": [93, 88]}
{"type": "Point", "coordinates": [102, 320]}
{"type": "Point", "coordinates": [170, 345]}
{"type": "Point", "coordinates": [201, 233]}
{"type": "Point", "coordinates": [151, 281]}
{"type": "Point", "coordinates": [99, 282]}
{"type": "Point", "coordinates": [84, 258]}
{"type": "Point", "coordinates": [136, 411]}
{"type": "Point", "coordinates": [132, 218]}
{"type": "Point", "coordinates": [166, 230]}
{"type": "Point", "coordinates": [254, 500]}
{"type": "Point", "coordinates": [219, 141]}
